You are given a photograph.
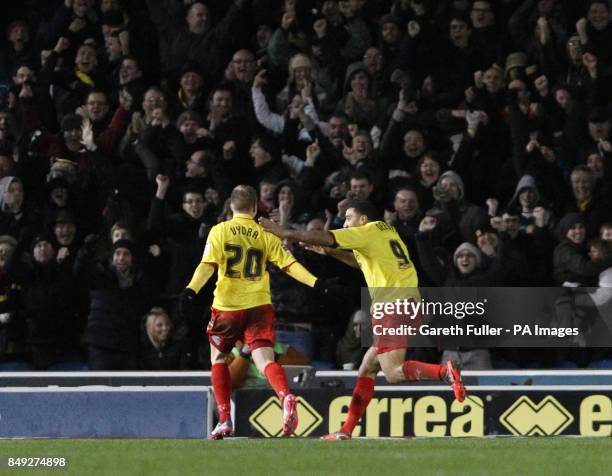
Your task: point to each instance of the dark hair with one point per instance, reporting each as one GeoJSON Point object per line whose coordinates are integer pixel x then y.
{"type": "Point", "coordinates": [112, 18]}
{"type": "Point", "coordinates": [97, 91]}
{"type": "Point", "coordinates": [191, 189]}
{"type": "Point", "coordinates": [603, 2]}
{"type": "Point", "coordinates": [339, 115]}
{"type": "Point", "coordinates": [156, 89]}
{"type": "Point", "coordinates": [222, 86]}
{"type": "Point", "coordinates": [21, 64]}
{"type": "Point", "coordinates": [15, 24]}
{"type": "Point", "coordinates": [607, 224]}
{"type": "Point", "coordinates": [93, 46]}
{"type": "Point", "coordinates": [267, 181]}
{"type": "Point", "coordinates": [405, 188]}
{"type": "Point", "coordinates": [361, 131]}
{"type": "Point", "coordinates": [364, 207]}
{"type": "Point", "coordinates": [460, 16]}
{"type": "Point", "coordinates": [132, 58]}
{"type": "Point", "coordinates": [267, 143]}
{"type": "Point", "coordinates": [360, 175]}
{"type": "Point", "coordinates": [604, 246]}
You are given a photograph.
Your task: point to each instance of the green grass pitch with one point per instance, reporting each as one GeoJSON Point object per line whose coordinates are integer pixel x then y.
{"type": "Point", "coordinates": [246, 457]}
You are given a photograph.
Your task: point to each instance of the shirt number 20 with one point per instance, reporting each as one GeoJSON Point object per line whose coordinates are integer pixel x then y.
{"type": "Point", "coordinates": [252, 267]}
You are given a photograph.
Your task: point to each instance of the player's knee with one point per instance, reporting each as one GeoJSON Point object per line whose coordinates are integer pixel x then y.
{"type": "Point", "coordinates": [392, 378]}
{"type": "Point", "coordinates": [218, 358]}
{"type": "Point", "coordinates": [261, 366]}
{"type": "Point", "coordinates": [394, 375]}
{"type": "Point", "coordinates": [367, 372]}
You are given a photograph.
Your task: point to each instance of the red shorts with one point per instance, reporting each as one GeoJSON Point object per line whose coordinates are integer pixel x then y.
{"type": "Point", "coordinates": [254, 326]}
{"type": "Point", "coordinates": [394, 331]}
{"type": "Point", "coordinates": [383, 350]}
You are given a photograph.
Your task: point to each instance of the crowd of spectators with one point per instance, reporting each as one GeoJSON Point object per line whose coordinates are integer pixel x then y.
{"type": "Point", "coordinates": [480, 129]}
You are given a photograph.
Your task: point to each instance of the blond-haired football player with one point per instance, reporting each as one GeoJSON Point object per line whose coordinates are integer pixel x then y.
{"type": "Point", "coordinates": [240, 249]}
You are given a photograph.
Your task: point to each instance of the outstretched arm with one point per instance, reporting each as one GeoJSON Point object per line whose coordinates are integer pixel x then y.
{"type": "Point", "coordinates": [201, 275]}
{"type": "Point", "coordinates": [344, 256]}
{"type": "Point", "coordinates": [301, 274]}
{"type": "Point", "coordinates": [314, 237]}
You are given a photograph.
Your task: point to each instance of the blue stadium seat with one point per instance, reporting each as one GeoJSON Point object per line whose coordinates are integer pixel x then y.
{"type": "Point", "coordinates": [601, 364]}
{"type": "Point", "coordinates": [68, 367]}
{"type": "Point", "coordinates": [566, 364]}
{"type": "Point", "coordinates": [504, 364]}
{"type": "Point", "coordinates": [15, 367]}
{"type": "Point", "coordinates": [301, 341]}
{"type": "Point", "coordinates": [322, 365]}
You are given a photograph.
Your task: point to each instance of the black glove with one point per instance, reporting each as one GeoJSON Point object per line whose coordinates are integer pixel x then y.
{"type": "Point", "coordinates": [185, 302]}
{"type": "Point", "coordinates": [327, 286]}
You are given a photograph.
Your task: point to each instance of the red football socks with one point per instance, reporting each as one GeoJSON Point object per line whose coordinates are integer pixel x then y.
{"type": "Point", "coordinates": [415, 370]}
{"type": "Point", "coordinates": [222, 385]}
{"type": "Point", "coordinates": [277, 378]}
{"type": "Point", "coordinates": [364, 390]}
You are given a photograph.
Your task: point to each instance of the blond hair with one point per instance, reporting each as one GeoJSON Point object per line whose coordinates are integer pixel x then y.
{"type": "Point", "coordinates": [243, 198]}
{"type": "Point", "coordinates": [154, 313]}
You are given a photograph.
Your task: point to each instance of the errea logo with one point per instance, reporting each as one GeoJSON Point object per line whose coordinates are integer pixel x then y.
{"type": "Point", "coordinates": [268, 418]}
{"type": "Point", "coordinates": [526, 418]}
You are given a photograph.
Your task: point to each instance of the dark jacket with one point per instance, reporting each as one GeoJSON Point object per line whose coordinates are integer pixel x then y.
{"type": "Point", "coordinates": [441, 275]}
{"type": "Point", "coordinates": [13, 332]}
{"type": "Point", "coordinates": [51, 306]}
{"type": "Point", "coordinates": [173, 355]}
{"type": "Point", "coordinates": [572, 264]}
{"type": "Point", "coordinates": [114, 317]}
{"type": "Point", "coordinates": [467, 216]}
{"type": "Point", "coordinates": [178, 45]}
{"type": "Point", "coordinates": [184, 240]}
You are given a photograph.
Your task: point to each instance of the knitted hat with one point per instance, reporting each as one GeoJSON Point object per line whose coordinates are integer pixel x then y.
{"type": "Point", "coordinates": [188, 116]}
{"type": "Point", "coordinates": [470, 248]}
{"type": "Point", "coordinates": [485, 228]}
{"type": "Point", "coordinates": [457, 179]}
{"type": "Point", "coordinates": [124, 243]}
{"type": "Point", "coordinates": [568, 221]}
{"type": "Point", "coordinates": [192, 67]}
{"type": "Point", "coordinates": [43, 237]}
{"type": "Point", "coordinates": [8, 239]}
{"type": "Point", "coordinates": [598, 115]}
{"type": "Point", "coordinates": [64, 216]}
{"type": "Point", "coordinates": [390, 19]}
{"type": "Point", "coordinates": [64, 169]}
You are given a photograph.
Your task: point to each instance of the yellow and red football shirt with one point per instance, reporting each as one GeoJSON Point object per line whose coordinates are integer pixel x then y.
{"type": "Point", "coordinates": [380, 253]}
